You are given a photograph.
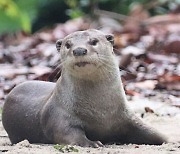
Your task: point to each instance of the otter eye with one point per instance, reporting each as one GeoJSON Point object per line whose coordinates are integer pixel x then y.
{"type": "Point", "coordinates": [93, 42]}
{"type": "Point", "coordinates": [68, 45]}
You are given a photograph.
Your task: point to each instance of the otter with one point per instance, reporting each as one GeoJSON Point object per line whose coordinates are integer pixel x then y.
{"type": "Point", "coordinates": [87, 105]}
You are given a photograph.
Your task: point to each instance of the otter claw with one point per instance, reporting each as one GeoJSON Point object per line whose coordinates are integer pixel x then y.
{"type": "Point", "coordinates": [96, 144]}
{"type": "Point", "coordinates": [99, 144]}
{"type": "Point", "coordinates": [93, 144]}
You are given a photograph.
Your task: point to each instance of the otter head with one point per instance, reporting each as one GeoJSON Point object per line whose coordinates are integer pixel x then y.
{"type": "Point", "coordinates": [85, 52]}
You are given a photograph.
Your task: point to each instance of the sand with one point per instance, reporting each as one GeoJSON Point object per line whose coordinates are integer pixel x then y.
{"type": "Point", "coordinates": [168, 125]}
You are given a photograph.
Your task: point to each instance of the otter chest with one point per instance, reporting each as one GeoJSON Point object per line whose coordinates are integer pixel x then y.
{"type": "Point", "coordinates": [98, 113]}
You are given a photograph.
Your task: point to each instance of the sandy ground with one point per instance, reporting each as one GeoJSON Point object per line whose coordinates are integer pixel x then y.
{"type": "Point", "coordinates": [170, 126]}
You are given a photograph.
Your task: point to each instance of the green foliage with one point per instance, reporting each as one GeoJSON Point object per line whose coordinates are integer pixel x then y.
{"type": "Point", "coordinates": [65, 148]}
{"type": "Point", "coordinates": [49, 13]}
{"type": "Point", "coordinates": [75, 8]}
{"type": "Point", "coordinates": [31, 15]}
{"type": "Point", "coordinates": [121, 6]}
{"type": "Point", "coordinates": [15, 15]}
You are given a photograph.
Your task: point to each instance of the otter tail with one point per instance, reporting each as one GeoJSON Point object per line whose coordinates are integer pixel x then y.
{"type": "Point", "coordinates": [139, 133]}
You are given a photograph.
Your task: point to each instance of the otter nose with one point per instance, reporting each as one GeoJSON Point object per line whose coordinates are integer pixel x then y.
{"type": "Point", "coordinates": [79, 52]}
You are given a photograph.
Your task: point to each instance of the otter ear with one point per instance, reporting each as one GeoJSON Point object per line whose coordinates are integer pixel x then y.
{"type": "Point", "coordinates": [110, 38]}
{"type": "Point", "coordinates": [58, 44]}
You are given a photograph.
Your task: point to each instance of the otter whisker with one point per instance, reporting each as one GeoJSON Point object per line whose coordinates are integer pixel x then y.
{"type": "Point", "coordinates": [104, 56]}
{"type": "Point", "coordinates": [101, 60]}
{"type": "Point", "coordinates": [123, 70]}
{"type": "Point", "coordinates": [104, 73]}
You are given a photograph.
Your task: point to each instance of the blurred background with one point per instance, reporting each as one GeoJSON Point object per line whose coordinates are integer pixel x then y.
{"type": "Point", "coordinates": [32, 15]}
{"type": "Point", "coordinates": [147, 44]}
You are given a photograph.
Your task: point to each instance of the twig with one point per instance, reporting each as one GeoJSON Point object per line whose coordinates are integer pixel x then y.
{"type": "Point", "coordinates": [113, 15]}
